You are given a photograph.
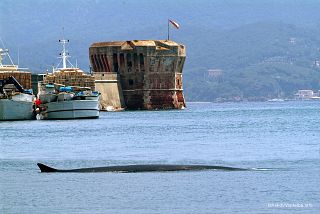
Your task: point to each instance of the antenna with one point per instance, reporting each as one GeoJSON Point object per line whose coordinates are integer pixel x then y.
{"type": "Point", "coordinates": [18, 57]}
{"type": "Point", "coordinates": [64, 55]}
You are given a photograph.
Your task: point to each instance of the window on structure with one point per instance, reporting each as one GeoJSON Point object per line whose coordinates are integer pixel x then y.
{"type": "Point", "coordinates": [115, 63]}
{"type": "Point", "coordinates": [105, 61]}
{"type": "Point", "coordinates": [130, 81]}
{"type": "Point", "coordinates": [121, 61]}
{"type": "Point", "coordinates": [102, 65]}
{"type": "Point", "coordinates": [96, 57]}
{"type": "Point", "coordinates": [93, 62]}
{"type": "Point", "coordinates": [141, 59]}
{"type": "Point", "coordinates": [135, 60]}
{"type": "Point", "coordinates": [129, 62]}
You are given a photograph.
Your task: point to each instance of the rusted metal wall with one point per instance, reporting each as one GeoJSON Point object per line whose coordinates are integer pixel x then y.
{"type": "Point", "coordinates": [150, 71]}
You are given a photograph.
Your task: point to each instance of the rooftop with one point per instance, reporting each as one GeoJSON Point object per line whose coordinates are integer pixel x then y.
{"type": "Point", "coordinates": [134, 43]}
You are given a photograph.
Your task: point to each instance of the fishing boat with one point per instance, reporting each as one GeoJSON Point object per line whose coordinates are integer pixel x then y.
{"type": "Point", "coordinates": [67, 102]}
{"type": "Point", "coordinates": [16, 103]}
{"type": "Point", "coordinates": [68, 93]}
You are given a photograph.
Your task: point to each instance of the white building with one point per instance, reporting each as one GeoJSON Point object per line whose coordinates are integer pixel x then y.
{"type": "Point", "coordinates": [305, 94]}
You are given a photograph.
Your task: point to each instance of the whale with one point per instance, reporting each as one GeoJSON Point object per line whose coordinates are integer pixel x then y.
{"type": "Point", "coordinates": [139, 168]}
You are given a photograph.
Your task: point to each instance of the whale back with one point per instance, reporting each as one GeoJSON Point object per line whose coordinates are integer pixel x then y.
{"type": "Point", "coordinates": [141, 168]}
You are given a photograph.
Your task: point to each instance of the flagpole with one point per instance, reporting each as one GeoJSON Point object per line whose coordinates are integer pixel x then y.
{"type": "Point", "coordinates": [168, 30]}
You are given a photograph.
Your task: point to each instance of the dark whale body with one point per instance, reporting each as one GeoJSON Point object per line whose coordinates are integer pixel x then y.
{"type": "Point", "coordinates": [141, 168]}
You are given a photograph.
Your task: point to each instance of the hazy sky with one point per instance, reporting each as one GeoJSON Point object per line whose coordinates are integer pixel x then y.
{"type": "Point", "coordinates": [34, 26]}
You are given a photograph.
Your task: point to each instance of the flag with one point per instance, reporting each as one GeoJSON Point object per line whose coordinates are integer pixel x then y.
{"type": "Point", "coordinates": [175, 24]}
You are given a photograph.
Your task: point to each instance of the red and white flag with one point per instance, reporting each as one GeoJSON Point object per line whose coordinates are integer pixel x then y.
{"type": "Point", "coordinates": [175, 24]}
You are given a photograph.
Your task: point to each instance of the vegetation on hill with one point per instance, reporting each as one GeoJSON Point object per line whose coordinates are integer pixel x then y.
{"type": "Point", "coordinates": [255, 62]}
{"type": "Point", "coordinates": [236, 50]}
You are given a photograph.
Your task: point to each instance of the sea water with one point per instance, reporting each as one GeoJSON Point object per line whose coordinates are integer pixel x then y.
{"type": "Point", "coordinates": [281, 137]}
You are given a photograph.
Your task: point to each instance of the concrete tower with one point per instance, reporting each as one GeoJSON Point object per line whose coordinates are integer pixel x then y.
{"type": "Point", "coordinates": [139, 74]}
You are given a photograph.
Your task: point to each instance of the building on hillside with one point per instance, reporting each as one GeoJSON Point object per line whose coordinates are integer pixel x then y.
{"type": "Point", "coordinates": [304, 94]}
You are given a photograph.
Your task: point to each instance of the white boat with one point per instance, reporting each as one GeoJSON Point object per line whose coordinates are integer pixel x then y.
{"type": "Point", "coordinates": [276, 100]}
{"type": "Point", "coordinates": [15, 109]}
{"type": "Point", "coordinates": [68, 102]}
{"type": "Point", "coordinates": [15, 102]}
{"type": "Point", "coordinates": [72, 109]}
{"type": "Point", "coordinates": [73, 105]}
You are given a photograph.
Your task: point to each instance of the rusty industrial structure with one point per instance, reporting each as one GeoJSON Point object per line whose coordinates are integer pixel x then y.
{"type": "Point", "coordinates": [139, 74]}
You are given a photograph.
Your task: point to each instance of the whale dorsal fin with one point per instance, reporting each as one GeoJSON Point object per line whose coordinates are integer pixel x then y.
{"type": "Point", "coordinates": [45, 168]}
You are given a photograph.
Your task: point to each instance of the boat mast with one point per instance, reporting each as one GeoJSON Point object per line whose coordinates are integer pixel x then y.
{"type": "Point", "coordinates": [3, 53]}
{"type": "Point", "coordinates": [64, 54]}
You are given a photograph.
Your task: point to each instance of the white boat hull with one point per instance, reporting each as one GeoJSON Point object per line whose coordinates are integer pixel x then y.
{"type": "Point", "coordinates": [72, 109]}
{"type": "Point", "coordinates": [15, 110]}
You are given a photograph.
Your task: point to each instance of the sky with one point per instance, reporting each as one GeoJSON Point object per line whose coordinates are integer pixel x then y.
{"type": "Point", "coordinates": [34, 26]}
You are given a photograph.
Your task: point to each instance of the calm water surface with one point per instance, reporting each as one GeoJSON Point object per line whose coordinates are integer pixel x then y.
{"type": "Point", "coordinates": [284, 136]}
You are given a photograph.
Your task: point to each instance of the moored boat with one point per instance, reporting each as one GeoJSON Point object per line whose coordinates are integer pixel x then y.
{"type": "Point", "coordinates": [70, 104]}
{"type": "Point", "coordinates": [14, 109]}
{"type": "Point", "coordinates": [16, 103]}
{"type": "Point", "coordinates": [68, 93]}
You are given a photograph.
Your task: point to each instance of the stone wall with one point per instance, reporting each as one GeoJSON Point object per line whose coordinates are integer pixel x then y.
{"type": "Point", "coordinates": [149, 71]}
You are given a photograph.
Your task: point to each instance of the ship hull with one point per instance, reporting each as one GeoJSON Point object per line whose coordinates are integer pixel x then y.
{"type": "Point", "coordinates": [15, 110]}
{"type": "Point", "coordinates": [72, 109]}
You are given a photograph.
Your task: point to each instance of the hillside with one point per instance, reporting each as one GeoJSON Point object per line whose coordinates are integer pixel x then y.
{"type": "Point", "coordinates": [236, 50]}
{"type": "Point", "coordinates": [256, 62]}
